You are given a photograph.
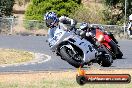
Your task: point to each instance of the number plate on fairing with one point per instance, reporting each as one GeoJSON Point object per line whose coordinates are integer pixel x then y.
{"type": "Point", "coordinates": [83, 44]}
{"type": "Point", "coordinates": [86, 47]}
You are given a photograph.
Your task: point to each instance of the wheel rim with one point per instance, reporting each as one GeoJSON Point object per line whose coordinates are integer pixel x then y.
{"type": "Point", "coordinates": [108, 57]}
{"type": "Point", "coordinates": [76, 57]}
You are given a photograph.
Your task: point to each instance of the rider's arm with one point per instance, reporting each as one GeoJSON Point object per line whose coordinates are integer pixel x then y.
{"type": "Point", "coordinates": [50, 35]}
{"type": "Point", "coordinates": [51, 38]}
{"type": "Point", "coordinates": [67, 20]}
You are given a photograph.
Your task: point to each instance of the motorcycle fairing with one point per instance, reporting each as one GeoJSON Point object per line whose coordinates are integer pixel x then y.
{"type": "Point", "coordinates": [106, 38]}
{"type": "Point", "coordinates": [85, 46]}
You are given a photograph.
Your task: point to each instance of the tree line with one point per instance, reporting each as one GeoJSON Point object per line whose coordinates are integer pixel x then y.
{"type": "Point", "coordinates": [113, 13]}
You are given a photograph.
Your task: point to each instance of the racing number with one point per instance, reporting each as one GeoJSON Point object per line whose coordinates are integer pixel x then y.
{"type": "Point", "coordinates": [90, 48]}
{"type": "Point", "coordinates": [57, 35]}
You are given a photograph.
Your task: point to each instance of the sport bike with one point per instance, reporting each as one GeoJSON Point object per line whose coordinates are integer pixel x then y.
{"type": "Point", "coordinates": [76, 50]}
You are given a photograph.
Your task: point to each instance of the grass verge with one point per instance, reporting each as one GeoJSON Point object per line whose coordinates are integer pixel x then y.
{"type": "Point", "coordinates": [50, 79]}
{"type": "Point", "coordinates": [11, 56]}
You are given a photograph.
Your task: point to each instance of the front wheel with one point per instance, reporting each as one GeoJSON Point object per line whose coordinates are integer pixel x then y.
{"type": "Point", "coordinates": [120, 54]}
{"type": "Point", "coordinates": [66, 53]}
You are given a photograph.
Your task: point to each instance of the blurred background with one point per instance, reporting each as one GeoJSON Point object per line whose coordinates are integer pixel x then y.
{"type": "Point", "coordinates": [25, 17]}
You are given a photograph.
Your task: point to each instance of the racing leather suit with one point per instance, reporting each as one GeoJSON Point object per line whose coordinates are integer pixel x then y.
{"type": "Point", "coordinates": [64, 24]}
{"type": "Point", "coordinates": [129, 29]}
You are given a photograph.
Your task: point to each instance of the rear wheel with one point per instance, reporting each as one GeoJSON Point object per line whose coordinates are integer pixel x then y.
{"type": "Point", "coordinates": [105, 60]}
{"type": "Point", "coordinates": [72, 58]}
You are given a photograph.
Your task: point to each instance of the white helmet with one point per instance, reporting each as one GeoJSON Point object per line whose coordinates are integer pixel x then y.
{"type": "Point", "coordinates": [130, 17]}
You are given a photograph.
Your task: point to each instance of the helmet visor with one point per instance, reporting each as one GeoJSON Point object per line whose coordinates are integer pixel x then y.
{"type": "Point", "coordinates": [49, 21]}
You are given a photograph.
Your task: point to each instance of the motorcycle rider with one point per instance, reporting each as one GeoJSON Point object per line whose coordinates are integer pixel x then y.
{"type": "Point", "coordinates": [85, 32]}
{"type": "Point", "coordinates": [90, 31]}
{"type": "Point", "coordinates": [129, 28]}
{"type": "Point", "coordinates": [53, 22]}
{"type": "Point", "coordinates": [55, 25]}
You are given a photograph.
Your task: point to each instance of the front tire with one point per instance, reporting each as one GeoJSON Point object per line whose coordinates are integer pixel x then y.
{"type": "Point", "coordinates": [120, 54]}
{"type": "Point", "coordinates": [68, 58]}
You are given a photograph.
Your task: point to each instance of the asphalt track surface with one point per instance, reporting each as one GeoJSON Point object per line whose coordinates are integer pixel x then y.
{"type": "Point", "coordinates": [38, 44]}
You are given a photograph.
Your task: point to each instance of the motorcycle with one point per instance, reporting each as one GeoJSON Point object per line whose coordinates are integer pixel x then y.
{"type": "Point", "coordinates": [109, 42]}
{"type": "Point", "coordinates": [76, 50]}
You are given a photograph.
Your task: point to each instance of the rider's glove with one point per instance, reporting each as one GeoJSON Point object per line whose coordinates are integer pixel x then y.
{"type": "Point", "coordinates": [83, 34]}
{"type": "Point", "coordinates": [73, 24]}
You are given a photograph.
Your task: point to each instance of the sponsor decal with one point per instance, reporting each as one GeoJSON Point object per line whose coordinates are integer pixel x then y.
{"type": "Point", "coordinates": [83, 78]}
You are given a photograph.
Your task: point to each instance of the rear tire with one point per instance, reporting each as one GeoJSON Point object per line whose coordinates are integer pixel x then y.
{"type": "Point", "coordinates": [68, 58]}
{"type": "Point", "coordinates": [105, 60]}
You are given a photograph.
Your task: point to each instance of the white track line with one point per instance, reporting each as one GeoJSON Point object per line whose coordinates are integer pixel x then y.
{"type": "Point", "coordinates": [39, 58]}
{"type": "Point", "coordinates": [49, 57]}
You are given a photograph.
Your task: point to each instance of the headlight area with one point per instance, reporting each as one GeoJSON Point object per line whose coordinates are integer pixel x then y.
{"type": "Point", "coordinates": [101, 38]}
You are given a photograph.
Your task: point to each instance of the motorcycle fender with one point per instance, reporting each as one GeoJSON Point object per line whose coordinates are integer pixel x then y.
{"type": "Point", "coordinates": [69, 46]}
{"type": "Point", "coordinates": [107, 38]}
